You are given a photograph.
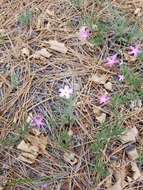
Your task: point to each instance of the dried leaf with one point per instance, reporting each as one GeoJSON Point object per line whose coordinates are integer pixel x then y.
{"type": "Point", "coordinates": [50, 12]}
{"type": "Point", "coordinates": [25, 51]}
{"type": "Point", "coordinates": [23, 146]}
{"type": "Point", "coordinates": [120, 175]}
{"type": "Point", "coordinates": [98, 78]}
{"type": "Point", "coordinates": [109, 179]}
{"type": "Point", "coordinates": [132, 153]}
{"type": "Point", "coordinates": [57, 46]}
{"type": "Point", "coordinates": [29, 152]}
{"type": "Point", "coordinates": [40, 142]}
{"type": "Point", "coordinates": [70, 158]}
{"type": "Point", "coordinates": [130, 135]}
{"type": "Point", "coordinates": [138, 12]}
{"type": "Point", "coordinates": [29, 118]}
{"type": "Point", "coordinates": [116, 186]}
{"type": "Point", "coordinates": [101, 118]}
{"type": "Point", "coordinates": [39, 22]}
{"type": "Point", "coordinates": [35, 132]}
{"type": "Point", "coordinates": [108, 86]}
{"type": "Point", "coordinates": [27, 147]}
{"type": "Point", "coordinates": [32, 146]}
{"type": "Point", "coordinates": [129, 58]}
{"type": "Point", "coordinates": [41, 53]}
{"type": "Point", "coordinates": [135, 169]}
{"type": "Point", "coordinates": [27, 157]}
{"type": "Point", "coordinates": [97, 110]}
{"type": "Point", "coordinates": [70, 133]}
{"type": "Point", "coordinates": [129, 179]}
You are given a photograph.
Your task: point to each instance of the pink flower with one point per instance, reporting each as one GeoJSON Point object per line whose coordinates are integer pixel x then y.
{"type": "Point", "coordinates": [84, 33]}
{"type": "Point", "coordinates": [135, 51]}
{"type": "Point", "coordinates": [104, 99]}
{"type": "Point", "coordinates": [121, 77]}
{"type": "Point", "coordinates": [38, 121]}
{"type": "Point", "coordinates": [112, 60]}
{"type": "Point", "coordinates": [45, 186]}
{"type": "Point", "coordinates": [65, 92]}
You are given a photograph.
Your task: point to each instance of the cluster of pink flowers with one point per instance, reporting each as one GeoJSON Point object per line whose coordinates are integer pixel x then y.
{"type": "Point", "coordinates": [66, 92]}
{"type": "Point", "coordinates": [84, 33]}
{"type": "Point", "coordinates": [113, 60]}
{"type": "Point", "coordinates": [135, 51]}
{"type": "Point", "coordinates": [121, 77]}
{"type": "Point", "coordinates": [44, 186]}
{"type": "Point", "coordinates": [104, 99]}
{"type": "Point", "coordinates": [38, 121]}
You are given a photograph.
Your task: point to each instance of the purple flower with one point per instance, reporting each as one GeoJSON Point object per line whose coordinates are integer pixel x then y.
{"type": "Point", "coordinates": [135, 51]}
{"type": "Point", "coordinates": [112, 60]}
{"type": "Point", "coordinates": [38, 121]}
{"type": "Point", "coordinates": [121, 77]}
{"type": "Point", "coordinates": [84, 33]}
{"type": "Point", "coordinates": [104, 99]}
{"type": "Point", "coordinates": [45, 186]}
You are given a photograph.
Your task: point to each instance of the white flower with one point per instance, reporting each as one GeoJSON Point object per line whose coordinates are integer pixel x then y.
{"type": "Point", "coordinates": [65, 92]}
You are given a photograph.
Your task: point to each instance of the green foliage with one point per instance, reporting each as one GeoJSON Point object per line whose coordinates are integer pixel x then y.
{"type": "Point", "coordinates": [2, 39]}
{"type": "Point", "coordinates": [117, 24]}
{"type": "Point", "coordinates": [25, 18]}
{"type": "Point", "coordinates": [140, 159]}
{"type": "Point", "coordinates": [118, 100]}
{"type": "Point", "coordinates": [14, 138]}
{"type": "Point", "coordinates": [64, 140]}
{"type": "Point", "coordinates": [28, 181]}
{"type": "Point", "coordinates": [99, 27]}
{"type": "Point", "coordinates": [77, 3]}
{"type": "Point", "coordinates": [11, 140]}
{"type": "Point", "coordinates": [50, 121]}
{"type": "Point", "coordinates": [140, 58]}
{"type": "Point", "coordinates": [16, 182]}
{"type": "Point", "coordinates": [100, 167]}
{"type": "Point", "coordinates": [133, 79]}
{"type": "Point", "coordinates": [102, 30]}
{"type": "Point", "coordinates": [99, 1]}
{"type": "Point", "coordinates": [124, 31]}
{"type": "Point", "coordinates": [120, 26]}
{"type": "Point", "coordinates": [98, 40]}
{"type": "Point", "coordinates": [135, 33]}
{"type": "Point", "coordinates": [67, 116]}
{"type": "Point", "coordinates": [14, 80]}
{"type": "Point", "coordinates": [88, 21]}
{"type": "Point", "coordinates": [107, 132]}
